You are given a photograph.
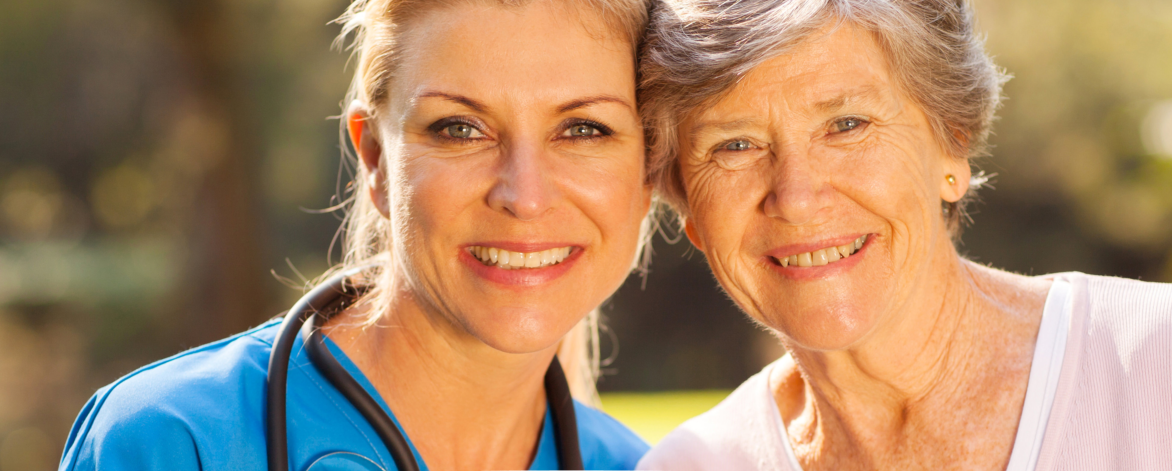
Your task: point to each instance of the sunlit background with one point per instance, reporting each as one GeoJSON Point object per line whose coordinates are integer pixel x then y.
{"type": "Point", "coordinates": [161, 161]}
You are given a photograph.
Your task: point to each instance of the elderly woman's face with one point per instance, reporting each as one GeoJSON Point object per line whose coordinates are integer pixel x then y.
{"type": "Point", "coordinates": [814, 153]}
{"type": "Point", "coordinates": [516, 168]}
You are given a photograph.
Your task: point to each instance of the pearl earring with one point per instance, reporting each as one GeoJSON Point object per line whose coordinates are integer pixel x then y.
{"type": "Point", "coordinates": [951, 179]}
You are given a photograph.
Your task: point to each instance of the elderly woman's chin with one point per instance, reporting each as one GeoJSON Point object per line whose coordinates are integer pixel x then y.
{"type": "Point", "coordinates": [824, 319]}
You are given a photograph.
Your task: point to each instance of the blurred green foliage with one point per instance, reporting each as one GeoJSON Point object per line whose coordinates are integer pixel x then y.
{"type": "Point", "coordinates": [157, 157]}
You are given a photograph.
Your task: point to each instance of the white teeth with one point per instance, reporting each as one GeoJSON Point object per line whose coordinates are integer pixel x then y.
{"type": "Point", "coordinates": [512, 260]}
{"type": "Point", "coordinates": [823, 256]}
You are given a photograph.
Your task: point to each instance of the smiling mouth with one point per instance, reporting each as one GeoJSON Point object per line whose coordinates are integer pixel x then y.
{"type": "Point", "coordinates": [509, 260]}
{"type": "Point", "coordinates": [822, 256]}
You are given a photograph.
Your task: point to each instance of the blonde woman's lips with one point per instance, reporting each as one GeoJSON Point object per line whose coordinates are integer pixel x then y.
{"type": "Point", "coordinates": [520, 263]}
{"type": "Point", "coordinates": [804, 260]}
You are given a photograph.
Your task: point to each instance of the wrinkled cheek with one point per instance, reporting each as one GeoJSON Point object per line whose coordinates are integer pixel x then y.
{"type": "Point", "coordinates": [743, 285]}
{"type": "Point", "coordinates": [701, 190]}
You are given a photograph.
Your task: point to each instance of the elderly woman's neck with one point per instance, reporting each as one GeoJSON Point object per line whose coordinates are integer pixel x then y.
{"type": "Point", "coordinates": [959, 347]}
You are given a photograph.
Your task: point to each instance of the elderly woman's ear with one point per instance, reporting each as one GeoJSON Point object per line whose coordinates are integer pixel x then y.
{"type": "Point", "coordinates": [362, 136]}
{"type": "Point", "coordinates": [957, 172]}
{"type": "Point", "coordinates": [954, 183]}
{"type": "Point", "coordinates": [693, 237]}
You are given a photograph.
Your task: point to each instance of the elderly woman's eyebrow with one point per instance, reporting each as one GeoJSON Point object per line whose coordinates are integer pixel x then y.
{"type": "Point", "coordinates": [849, 97]}
{"type": "Point", "coordinates": [724, 126]}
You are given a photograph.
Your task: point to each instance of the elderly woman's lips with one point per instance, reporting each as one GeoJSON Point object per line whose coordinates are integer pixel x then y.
{"type": "Point", "coordinates": [508, 259]}
{"type": "Point", "coordinates": [821, 256]}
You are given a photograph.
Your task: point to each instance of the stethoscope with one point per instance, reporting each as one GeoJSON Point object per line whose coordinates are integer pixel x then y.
{"type": "Point", "coordinates": [304, 319]}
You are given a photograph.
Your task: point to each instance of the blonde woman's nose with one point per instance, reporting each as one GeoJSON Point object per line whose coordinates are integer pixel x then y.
{"type": "Point", "coordinates": [524, 187]}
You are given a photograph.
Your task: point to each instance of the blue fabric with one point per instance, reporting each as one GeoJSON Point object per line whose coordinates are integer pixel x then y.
{"type": "Point", "coordinates": [204, 410]}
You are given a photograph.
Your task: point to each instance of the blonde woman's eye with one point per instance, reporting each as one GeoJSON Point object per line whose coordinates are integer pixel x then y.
{"type": "Point", "coordinates": [462, 131]}
{"type": "Point", "coordinates": [586, 129]}
{"type": "Point", "coordinates": [738, 145]}
{"type": "Point", "coordinates": [847, 124]}
{"type": "Point", "coordinates": [582, 130]}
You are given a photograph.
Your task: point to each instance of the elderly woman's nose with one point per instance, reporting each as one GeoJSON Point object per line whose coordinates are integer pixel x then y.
{"type": "Point", "coordinates": [798, 191]}
{"type": "Point", "coordinates": [523, 187]}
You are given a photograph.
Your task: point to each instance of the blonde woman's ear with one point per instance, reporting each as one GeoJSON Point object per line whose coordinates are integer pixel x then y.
{"type": "Point", "coordinates": [362, 136]}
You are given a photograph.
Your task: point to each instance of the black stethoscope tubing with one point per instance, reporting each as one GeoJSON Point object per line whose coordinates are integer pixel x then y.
{"type": "Point", "coordinates": [303, 320]}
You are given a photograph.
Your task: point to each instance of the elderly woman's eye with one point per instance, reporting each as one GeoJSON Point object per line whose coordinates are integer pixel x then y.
{"type": "Point", "coordinates": [847, 124]}
{"type": "Point", "coordinates": [461, 131]}
{"type": "Point", "coordinates": [737, 145]}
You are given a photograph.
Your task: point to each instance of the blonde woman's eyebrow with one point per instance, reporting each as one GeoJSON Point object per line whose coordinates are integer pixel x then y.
{"type": "Point", "coordinates": [460, 99]}
{"type": "Point", "coordinates": [594, 100]}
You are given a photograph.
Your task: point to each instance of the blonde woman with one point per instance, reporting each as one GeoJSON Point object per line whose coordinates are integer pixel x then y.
{"type": "Point", "coordinates": [501, 198]}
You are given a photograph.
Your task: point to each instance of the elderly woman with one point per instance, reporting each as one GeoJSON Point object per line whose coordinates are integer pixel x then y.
{"type": "Point", "coordinates": [819, 151]}
{"type": "Point", "coordinates": [500, 197]}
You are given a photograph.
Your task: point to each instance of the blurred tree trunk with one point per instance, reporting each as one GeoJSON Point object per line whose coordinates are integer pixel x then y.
{"type": "Point", "coordinates": [227, 289]}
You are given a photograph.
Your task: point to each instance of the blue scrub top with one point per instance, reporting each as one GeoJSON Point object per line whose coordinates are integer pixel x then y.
{"type": "Point", "coordinates": [204, 409]}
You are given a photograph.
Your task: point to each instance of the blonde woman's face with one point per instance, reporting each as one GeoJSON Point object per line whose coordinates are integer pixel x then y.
{"type": "Point", "coordinates": [515, 168]}
{"type": "Point", "coordinates": [815, 192]}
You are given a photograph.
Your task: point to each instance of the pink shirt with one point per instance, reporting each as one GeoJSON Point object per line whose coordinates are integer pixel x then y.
{"type": "Point", "coordinates": [1111, 407]}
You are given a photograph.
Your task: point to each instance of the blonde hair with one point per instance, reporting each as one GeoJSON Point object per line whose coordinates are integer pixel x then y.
{"type": "Point", "coordinates": [374, 29]}
{"type": "Point", "coordinates": [697, 50]}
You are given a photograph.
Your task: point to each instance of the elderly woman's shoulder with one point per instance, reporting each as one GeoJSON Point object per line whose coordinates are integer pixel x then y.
{"type": "Point", "coordinates": [1135, 306]}
{"type": "Point", "coordinates": [1107, 282]}
{"type": "Point", "coordinates": [1129, 321]}
{"type": "Point", "coordinates": [1118, 318]}
{"type": "Point", "coordinates": [1116, 377]}
{"type": "Point", "coordinates": [742, 432]}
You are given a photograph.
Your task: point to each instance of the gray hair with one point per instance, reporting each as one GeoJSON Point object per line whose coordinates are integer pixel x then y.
{"type": "Point", "coordinates": [697, 50]}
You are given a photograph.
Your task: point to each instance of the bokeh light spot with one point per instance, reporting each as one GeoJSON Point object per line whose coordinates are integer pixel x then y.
{"type": "Point", "coordinates": [30, 200]}
{"type": "Point", "coordinates": [1157, 130]}
{"type": "Point", "coordinates": [123, 196]}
